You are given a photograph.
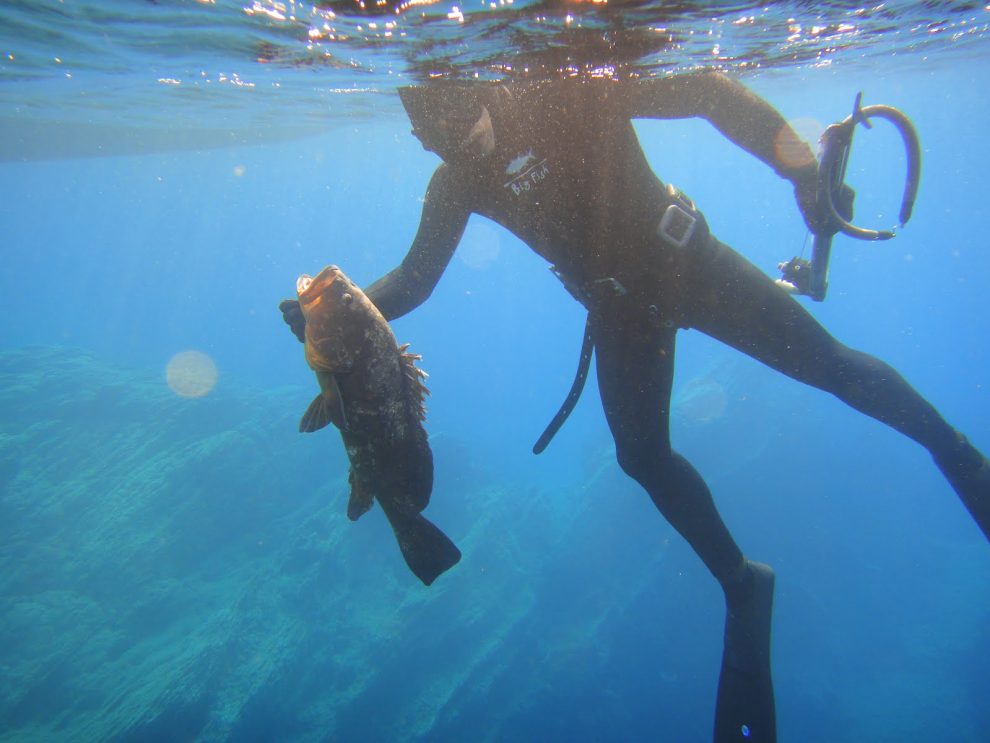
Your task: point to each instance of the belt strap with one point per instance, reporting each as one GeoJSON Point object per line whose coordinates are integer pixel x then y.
{"type": "Point", "coordinates": [587, 348]}
{"type": "Point", "coordinates": [677, 227]}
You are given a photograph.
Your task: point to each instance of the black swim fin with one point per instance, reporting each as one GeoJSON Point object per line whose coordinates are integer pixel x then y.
{"type": "Point", "coordinates": [427, 551]}
{"type": "Point", "coordinates": [745, 710]}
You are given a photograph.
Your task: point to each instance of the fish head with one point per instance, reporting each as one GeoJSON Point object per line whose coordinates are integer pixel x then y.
{"type": "Point", "coordinates": [338, 315]}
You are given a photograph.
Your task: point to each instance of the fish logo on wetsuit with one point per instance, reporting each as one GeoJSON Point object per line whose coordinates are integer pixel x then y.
{"type": "Point", "coordinates": [527, 171]}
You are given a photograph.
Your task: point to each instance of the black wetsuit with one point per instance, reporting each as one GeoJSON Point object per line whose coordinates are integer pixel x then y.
{"type": "Point", "coordinates": [569, 178]}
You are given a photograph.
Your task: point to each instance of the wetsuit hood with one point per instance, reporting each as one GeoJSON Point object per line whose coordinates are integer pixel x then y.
{"type": "Point", "coordinates": [442, 115]}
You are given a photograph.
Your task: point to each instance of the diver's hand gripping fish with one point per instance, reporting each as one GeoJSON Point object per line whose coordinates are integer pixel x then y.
{"type": "Point", "coordinates": [371, 389]}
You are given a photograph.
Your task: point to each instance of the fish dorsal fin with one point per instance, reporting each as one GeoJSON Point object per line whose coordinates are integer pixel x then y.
{"type": "Point", "coordinates": [327, 407]}
{"type": "Point", "coordinates": [416, 391]}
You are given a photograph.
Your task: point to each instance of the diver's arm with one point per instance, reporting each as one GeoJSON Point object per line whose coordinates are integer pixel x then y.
{"type": "Point", "coordinates": [445, 215]}
{"type": "Point", "coordinates": [742, 116]}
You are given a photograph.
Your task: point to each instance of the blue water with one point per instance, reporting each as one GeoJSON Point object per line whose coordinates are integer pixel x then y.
{"type": "Point", "coordinates": [180, 568]}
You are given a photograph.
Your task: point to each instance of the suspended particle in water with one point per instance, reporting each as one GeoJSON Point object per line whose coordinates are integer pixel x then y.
{"type": "Point", "coordinates": [191, 374]}
{"type": "Point", "coordinates": [745, 731]}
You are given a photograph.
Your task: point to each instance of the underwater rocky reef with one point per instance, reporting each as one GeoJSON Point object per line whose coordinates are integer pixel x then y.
{"type": "Point", "coordinates": [183, 569]}
{"type": "Point", "coordinates": [180, 568]}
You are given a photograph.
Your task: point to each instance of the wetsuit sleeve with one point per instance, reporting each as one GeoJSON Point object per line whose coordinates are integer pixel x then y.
{"type": "Point", "coordinates": [742, 116]}
{"type": "Point", "coordinates": [445, 215]}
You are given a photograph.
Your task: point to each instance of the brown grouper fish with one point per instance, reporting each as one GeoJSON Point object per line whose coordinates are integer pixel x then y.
{"type": "Point", "coordinates": [371, 389]}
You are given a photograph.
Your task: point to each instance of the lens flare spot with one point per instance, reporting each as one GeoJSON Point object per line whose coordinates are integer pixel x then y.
{"type": "Point", "coordinates": [481, 247]}
{"type": "Point", "coordinates": [793, 143]}
{"type": "Point", "coordinates": [701, 401]}
{"type": "Point", "coordinates": [191, 374]}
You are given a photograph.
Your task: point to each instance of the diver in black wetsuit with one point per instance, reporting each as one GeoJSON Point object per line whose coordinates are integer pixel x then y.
{"type": "Point", "coordinates": [558, 163]}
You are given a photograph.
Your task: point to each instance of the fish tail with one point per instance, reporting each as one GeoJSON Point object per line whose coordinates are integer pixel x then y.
{"type": "Point", "coordinates": [427, 551]}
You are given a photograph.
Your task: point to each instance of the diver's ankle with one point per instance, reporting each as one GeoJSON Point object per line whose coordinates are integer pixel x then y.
{"type": "Point", "coordinates": [738, 585]}
{"type": "Point", "coordinates": [961, 460]}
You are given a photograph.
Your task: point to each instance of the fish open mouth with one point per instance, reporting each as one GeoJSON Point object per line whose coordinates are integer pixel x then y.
{"type": "Point", "coordinates": [315, 285]}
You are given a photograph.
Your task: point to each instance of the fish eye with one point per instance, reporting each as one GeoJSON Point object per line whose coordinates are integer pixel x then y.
{"type": "Point", "coordinates": [347, 298]}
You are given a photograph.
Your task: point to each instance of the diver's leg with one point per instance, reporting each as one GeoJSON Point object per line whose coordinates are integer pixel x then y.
{"type": "Point", "coordinates": [739, 305]}
{"type": "Point", "coordinates": [635, 364]}
{"type": "Point", "coordinates": [635, 371]}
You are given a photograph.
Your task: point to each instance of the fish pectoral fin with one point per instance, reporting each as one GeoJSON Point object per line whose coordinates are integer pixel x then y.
{"type": "Point", "coordinates": [317, 415]}
{"type": "Point", "coordinates": [327, 407]}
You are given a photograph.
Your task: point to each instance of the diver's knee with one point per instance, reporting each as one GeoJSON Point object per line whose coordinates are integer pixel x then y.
{"type": "Point", "coordinates": [856, 376]}
{"type": "Point", "coordinates": [837, 369]}
{"type": "Point", "coordinates": [629, 462]}
{"type": "Point", "coordinates": [638, 464]}
{"type": "Point", "coordinates": [658, 472]}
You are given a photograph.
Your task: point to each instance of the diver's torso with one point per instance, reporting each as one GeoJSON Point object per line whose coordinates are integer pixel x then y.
{"type": "Point", "coordinates": [569, 178]}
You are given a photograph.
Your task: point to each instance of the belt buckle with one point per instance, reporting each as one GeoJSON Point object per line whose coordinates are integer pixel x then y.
{"type": "Point", "coordinates": [677, 226]}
